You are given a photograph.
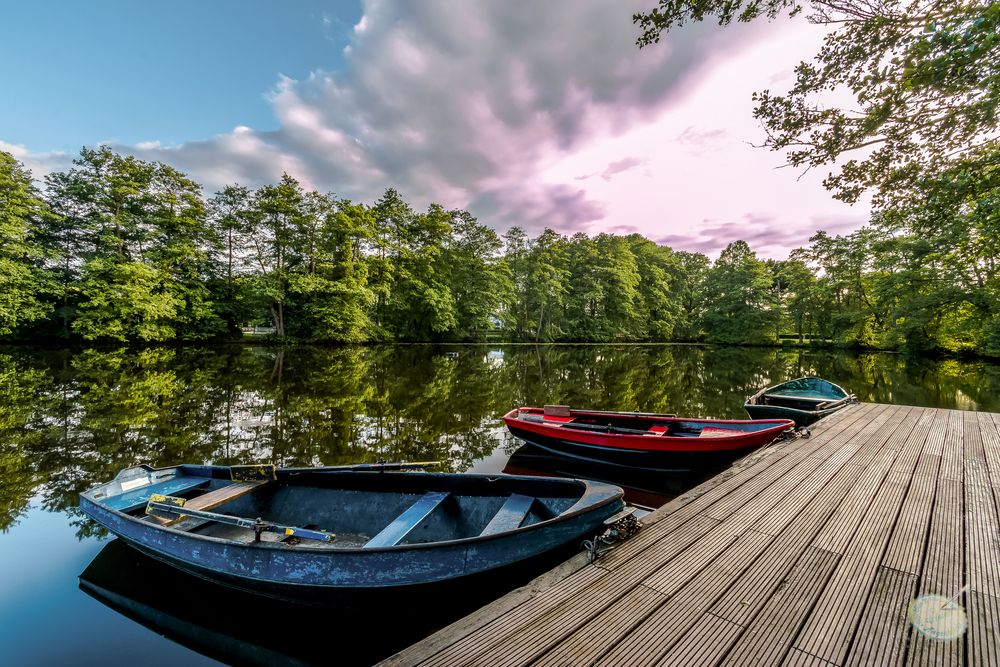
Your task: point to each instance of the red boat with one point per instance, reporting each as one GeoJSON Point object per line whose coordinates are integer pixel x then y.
{"type": "Point", "coordinates": [641, 439]}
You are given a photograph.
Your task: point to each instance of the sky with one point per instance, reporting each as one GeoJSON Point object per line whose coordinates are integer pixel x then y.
{"type": "Point", "coordinates": [538, 114]}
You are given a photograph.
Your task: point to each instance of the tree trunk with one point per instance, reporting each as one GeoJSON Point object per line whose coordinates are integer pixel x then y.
{"type": "Point", "coordinates": [278, 316]}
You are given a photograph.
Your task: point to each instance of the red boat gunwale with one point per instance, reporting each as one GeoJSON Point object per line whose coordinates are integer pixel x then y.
{"type": "Point", "coordinates": [651, 440]}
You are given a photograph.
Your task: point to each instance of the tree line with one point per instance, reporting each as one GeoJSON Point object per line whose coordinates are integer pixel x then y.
{"type": "Point", "coordinates": [117, 249]}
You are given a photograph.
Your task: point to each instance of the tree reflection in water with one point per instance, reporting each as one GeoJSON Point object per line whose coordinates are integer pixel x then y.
{"type": "Point", "coordinates": [71, 419]}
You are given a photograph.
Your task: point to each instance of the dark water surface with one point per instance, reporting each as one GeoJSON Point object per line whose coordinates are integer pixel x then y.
{"type": "Point", "coordinates": [70, 596]}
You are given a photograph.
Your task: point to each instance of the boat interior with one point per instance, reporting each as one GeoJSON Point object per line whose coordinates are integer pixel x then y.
{"type": "Point", "coordinates": [625, 424]}
{"type": "Point", "coordinates": [330, 509]}
{"type": "Point", "coordinates": [799, 402]}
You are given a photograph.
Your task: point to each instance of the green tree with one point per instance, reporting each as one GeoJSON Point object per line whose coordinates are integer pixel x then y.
{"type": "Point", "coordinates": [332, 297]}
{"type": "Point", "coordinates": [24, 284]}
{"type": "Point", "coordinates": [277, 214]}
{"type": "Point", "coordinates": [848, 310]}
{"type": "Point", "coordinates": [584, 317]}
{"type": "Point", "coordinates": [795, 287]}
{"type": "Point", "coordinates": [738, 294]}
{"type": "Point", "coordinates": [619, 276]}
{"type": "Point", "coordinates": [230, 216]}
{"type": "Point", "coordinates": [181, 250]}
{"type": "Point", "coordinates": [546, 286]}
{"type": "Point", "coordinates": [689, 290]}
{"type": "Point", "coordinates": [604, 302]}
{"type": "Point", "coordinates": [477, 276]}
{"type": "Point", "coordinates": [392, 218]}
{"type": "Point", "coordinates": [123, 301]}
{"type": "Point", "coordinates": [659, 306]}
{"type": "Point", "coordinates": [921, 136]}
{"type": "Point", "coordinates": [515, 245]}
{"type": "Point", "coordinates": [135, 236]}
{"type": "Point", "coordinates": [421, 305]}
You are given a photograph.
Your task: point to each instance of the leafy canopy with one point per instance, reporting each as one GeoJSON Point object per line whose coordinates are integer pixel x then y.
{"type": "Point", "coordinates": [925, 75]}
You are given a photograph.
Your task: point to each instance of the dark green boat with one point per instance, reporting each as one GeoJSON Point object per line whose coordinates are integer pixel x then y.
{"type": "Point", "coordinates": [804, 400]}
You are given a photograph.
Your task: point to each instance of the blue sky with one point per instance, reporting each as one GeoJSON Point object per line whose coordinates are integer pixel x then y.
{"type": "Point", "coordinates": [525, 112]}
{"type": "Point", "coordinates": [82, 71]}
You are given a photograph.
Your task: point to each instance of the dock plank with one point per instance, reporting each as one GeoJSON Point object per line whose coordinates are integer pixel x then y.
{"type": "Point", "coordinates": [830, 629]}
{"type": "Point", "coordinates": [769, 638]}
{"type": "Point", "coordinates": [984, 621]}
{"type": "Point", "coordinates": [941, 573]}
{"type": "Point", "coordinates": [702, 645]}
{"type": "Point", "coordinates": [883, 632]}
{"type": "Point", "coordinates": [982, 567]}
{"type": "Point", "coordinates": [748, 595]}
{"type": "Point", "coordinates": [666, 626]}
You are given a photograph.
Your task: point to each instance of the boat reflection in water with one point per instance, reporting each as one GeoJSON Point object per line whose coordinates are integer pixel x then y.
{"type": "Point", "coordinates": [644, 488]}
{"type": "Point", "coordinates": [240, 628]}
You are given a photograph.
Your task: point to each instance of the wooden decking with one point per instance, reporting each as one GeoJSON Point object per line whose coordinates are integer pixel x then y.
{"type": "Point", "coordinates": [807, 553]}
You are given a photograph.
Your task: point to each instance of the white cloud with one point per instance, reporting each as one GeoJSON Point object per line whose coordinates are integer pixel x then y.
{"type": "Point", "coordinates": [40, 164]}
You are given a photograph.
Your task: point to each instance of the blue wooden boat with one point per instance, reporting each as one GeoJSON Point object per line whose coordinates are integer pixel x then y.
{"type": "Point", "coordinates": [804, 400]}
{"type": "Point", "coordinates": [304, 533]}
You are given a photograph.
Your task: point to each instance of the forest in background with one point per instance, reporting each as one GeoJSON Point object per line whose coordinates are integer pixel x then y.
{"type": "Point", "coordinates": [118, 250]}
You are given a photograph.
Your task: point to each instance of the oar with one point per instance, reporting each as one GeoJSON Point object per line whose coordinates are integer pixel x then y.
{"type": "Point", "coordinates": [631, 414]}
{"type": "Point", "coordinates": [833, 404]}
{"type": "Point", "coordinates": [603, 428]}
{"type": "Point", "coordinates": [171, 509]}
{"type": "Point", "coordinates": [398, 465]}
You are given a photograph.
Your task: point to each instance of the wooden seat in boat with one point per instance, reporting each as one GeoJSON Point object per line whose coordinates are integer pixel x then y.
{"type": "Point", "coordinates": [404, 524]}
{"type": "Point", "coordinates": [510, 516]}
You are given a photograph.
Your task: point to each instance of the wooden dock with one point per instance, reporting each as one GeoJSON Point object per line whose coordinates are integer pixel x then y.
{"type": "Point", "coordinates": [806, 553]}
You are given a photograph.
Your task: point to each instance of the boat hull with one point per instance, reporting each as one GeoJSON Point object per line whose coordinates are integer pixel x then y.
{"type": "Point", "coordinates": [804, 400]}
{"type": "Point", "coordinates": [313, 574]}
{"type": "Point", "coordinates": [630, 458]}
{"type": "Point", "coordinates": [800, 417]}
{"type": "Point", "coordinates": [635, 449]}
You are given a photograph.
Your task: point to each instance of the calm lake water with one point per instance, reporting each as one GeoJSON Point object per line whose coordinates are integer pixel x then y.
{"type": "Point", "coordinates": [68, 420]}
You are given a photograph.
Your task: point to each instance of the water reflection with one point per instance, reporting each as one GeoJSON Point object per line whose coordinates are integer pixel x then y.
{"type": "Point", "coordinates": [644, 488]}
{"type": "Point", "coordinates": [244, 629]}
{"type": "Point", "coordinates": [69, 420]}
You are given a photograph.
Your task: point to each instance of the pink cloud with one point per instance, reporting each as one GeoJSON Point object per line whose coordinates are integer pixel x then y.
{"type": "Point", "coordinates": [765, 234]}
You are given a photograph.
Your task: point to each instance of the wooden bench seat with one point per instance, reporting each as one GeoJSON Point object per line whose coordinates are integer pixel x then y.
{"type": "Point", "coordinates": [510, 516]}
{"type": "Point", "coordinates": [404, 524]}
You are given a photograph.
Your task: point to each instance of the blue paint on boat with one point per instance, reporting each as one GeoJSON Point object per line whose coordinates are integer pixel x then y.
{"type": "Point", "coordinates": [138, 498]}
{"type": "Point", "coordinates": [394, 529]}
